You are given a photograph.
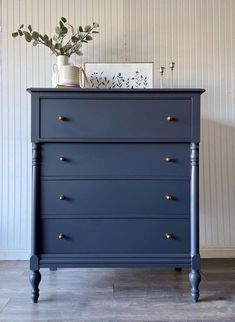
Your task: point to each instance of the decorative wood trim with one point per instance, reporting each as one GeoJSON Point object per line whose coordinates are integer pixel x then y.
{"type": "Point", "coordinates": [35, 115]}
{"type": "Point", "coordinates": [205, 252]}
{"type": "Point", "coordinates": [139, 90]}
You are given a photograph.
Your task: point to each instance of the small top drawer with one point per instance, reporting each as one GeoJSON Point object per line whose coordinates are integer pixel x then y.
{"type": "Point", "coordinates": [75, 118]}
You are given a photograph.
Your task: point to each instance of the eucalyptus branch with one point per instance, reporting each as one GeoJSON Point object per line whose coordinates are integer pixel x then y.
{"type": "Point", "coordinates": [52, 49]}
{"type": "Point", "coordinates": [55, 43]}
{"type": "Point", "coordinates": [86, 36]}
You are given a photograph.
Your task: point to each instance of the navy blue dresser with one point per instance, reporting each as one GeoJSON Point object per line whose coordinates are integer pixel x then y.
{"type": "Point", "coordinates": [115, 179]}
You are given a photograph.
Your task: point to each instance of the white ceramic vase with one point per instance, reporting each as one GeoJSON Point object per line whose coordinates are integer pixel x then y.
{"type": "Point", "coordinates": [61, 60]}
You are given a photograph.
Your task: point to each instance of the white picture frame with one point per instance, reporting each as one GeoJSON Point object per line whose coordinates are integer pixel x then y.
{"type": "Point", "coordinates": [119, 75]}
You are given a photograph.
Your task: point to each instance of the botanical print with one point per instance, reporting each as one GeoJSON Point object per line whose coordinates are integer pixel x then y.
{"type": "Point", "coordinates": [120, 75]}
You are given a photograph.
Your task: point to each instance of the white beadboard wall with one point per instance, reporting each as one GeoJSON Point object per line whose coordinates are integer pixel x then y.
{"type": "Point", "coordinates": [199, 35]}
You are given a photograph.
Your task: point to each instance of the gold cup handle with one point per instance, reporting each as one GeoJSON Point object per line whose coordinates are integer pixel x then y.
{"type": "Point", "coordinates": [169, 118]}
{"type": "Point", "coordinates": [168, 236]}
{"type": "Point", "coordinates": [168, 159]}
{"type": "Point", "coordinates": [168, 197]}
{"type": "Point", "coordinates": [61, 118]}
{"type": "Point", "coordinates": [61, 236]}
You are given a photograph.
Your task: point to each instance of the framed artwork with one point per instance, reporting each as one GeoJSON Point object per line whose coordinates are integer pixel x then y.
{"type": "Point", "coordinates": [119, 75]}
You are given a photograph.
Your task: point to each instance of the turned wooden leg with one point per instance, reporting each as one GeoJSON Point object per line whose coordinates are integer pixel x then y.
{"type": "Point", "coordinates": [195, 278]}
{"type": "Point", "coordinates": [35, 278]}
{"type": "Point", "coordinates": [194, 275]}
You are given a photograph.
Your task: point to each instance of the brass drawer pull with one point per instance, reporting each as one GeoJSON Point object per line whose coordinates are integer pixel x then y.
{"type": "Point", "coordinates": [170, 118]}
{"type": "Point", "coordinates": [168, 159]}
{"type": "Point", "coordinates": [61, 118]}
{"type": "Point", "coordinates": [61, 236]}
{"type": "Point", "coordinates": [61, 197]}
{"type": "Point", "coordinates": [62, 158]}
{"type": "Point", "coordinates": [168, 236]}
{"type": "Point", "coordinates": [168, 197]}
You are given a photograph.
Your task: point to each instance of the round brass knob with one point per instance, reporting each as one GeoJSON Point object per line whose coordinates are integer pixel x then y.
{"type": "Point", "coordinates": [61, 117]}
{"type": "Point", "coordinates": [61, 236]}
{"type": "Point", "coordinates": [168, 159]}
{"type": "Point", "coordinates": [62, 158]}
{"type": "Point", "coordinates": [61, 197]}
{"type": "Point", "coordinates": [168, 236]}
{"type": "Point", "coordinates": [169, 118]}
{"type": "Point", "coordinates": [168, 197]}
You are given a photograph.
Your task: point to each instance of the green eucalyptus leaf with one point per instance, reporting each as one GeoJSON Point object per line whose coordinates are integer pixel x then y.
{"type": "Point", "coordinates": [61, 24]}
{"type": "Point", "coordinates": [57, 29]}
{"type": "Point", "coordinates": [41, 37]}
{"type": "Point", "coordinates": [88, 37]}
{"type": "Point", "coordinates": [79, 53]}
{"type": "Point", "coordinates": [45, 38]}
{"type": "Point", "coordinates": [28, 37]}
{"type": "Point", "coordinates": [64, 19]}
{"type": "Point", "coordinates": [84, 41]}
{"type": "Point", "coordinates": [20, 32]}
{"type": "Point", "coordinates": [64, 30]}
{"type": "Point", "coordinates": [95, 25]}
{"type": "Point", "coordinates": [95, 32]}
{"type": "Point", "coordinates": [35, 43]}
{"type": "Point", "coordinates": [80, 37]}
{"type": "Point", "coordinates": [87, 28]}
{"type": "Point", "coordinates": [14, 34]}
{"type": "Point", "coordinates": [30, 28]}
{"type": "Point", "coordinates": [80, 29]}
{"type": "Point", "coordinates": [35, 35]}
{"type": "Point", "coordinates": [66, 48]}
{"type": "Point", "coordinates": [21, 26]}
{"type": "Point", "coordinates": [58, 46]}
{"type": "Point", "coordinates": [78, 46]}
{"type": "Point", "coordinates": [74, 39]}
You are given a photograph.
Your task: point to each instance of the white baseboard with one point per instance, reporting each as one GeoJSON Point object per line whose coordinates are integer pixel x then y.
{"type": "Point", "coordinates": [218, 252]}
{"type": "Point", "coordinates": [206, 252]}
{"type": "Point", "coordinates": [14, 254]}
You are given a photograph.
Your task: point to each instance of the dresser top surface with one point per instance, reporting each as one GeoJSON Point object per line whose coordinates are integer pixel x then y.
{"type": "Point", "coordinates": [123, 90]}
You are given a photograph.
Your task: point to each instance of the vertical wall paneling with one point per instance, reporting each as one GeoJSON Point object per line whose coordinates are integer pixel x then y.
{"type": "Point", "coordinates": [197, 34]}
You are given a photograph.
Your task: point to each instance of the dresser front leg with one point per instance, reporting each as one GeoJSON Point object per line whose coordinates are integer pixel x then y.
{"type": "Point", "coordinates": [194, 275]}
{"type": "Point", "coordinates": [35, 278]}
{"type": "Point", "coordinates": [195, 278]}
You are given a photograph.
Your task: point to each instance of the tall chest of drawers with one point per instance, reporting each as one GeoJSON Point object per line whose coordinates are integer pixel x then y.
{"type": "Point", "coordinates": [115, 179]}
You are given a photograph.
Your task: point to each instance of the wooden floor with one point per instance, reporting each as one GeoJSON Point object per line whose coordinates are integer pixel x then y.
{"type": "Point", "coordinates": [130, 294]}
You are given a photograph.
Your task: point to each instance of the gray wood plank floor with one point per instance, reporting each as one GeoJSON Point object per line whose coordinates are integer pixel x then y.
{"type": "Point", "coordinates": [120, 294]}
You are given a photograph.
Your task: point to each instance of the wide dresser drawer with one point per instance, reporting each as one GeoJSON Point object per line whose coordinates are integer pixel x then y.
{"type": "Point", "coordinates": [115, 119]}
{"type": "Point", "coordinates": [61, 236]}
{"type": "Point", "coordinates": [115, 197]}
{"type": "Point", "coordinates": [115, 160]}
